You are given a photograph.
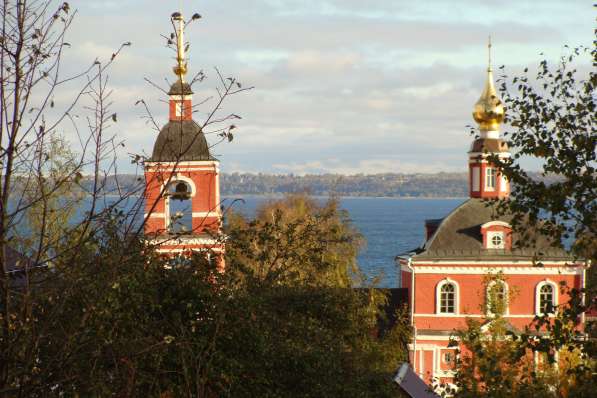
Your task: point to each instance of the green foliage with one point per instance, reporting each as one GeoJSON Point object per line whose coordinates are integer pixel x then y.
{"type": "Point", "coordinates": [495, 360]}
{"type": "Point", "coordinates": [50, 197]}
{"type": "Point", "coordinates": [551, 117]}
{"type": "Point", "coordinates": [295, 241]}
{"type": "Point", "coordinates": [113, 320]}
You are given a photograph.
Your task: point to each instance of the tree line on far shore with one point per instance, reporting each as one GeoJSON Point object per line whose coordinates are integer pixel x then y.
{"type": "Point", "coordinates": [395, 185]}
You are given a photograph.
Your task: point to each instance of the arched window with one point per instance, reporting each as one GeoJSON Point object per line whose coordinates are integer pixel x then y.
{"type": "Point", "coordinates": [497, 298]}
{"type": "Point", "coordinates": [179, 207]}
{"type": "Point", "coordinates": [447, 297]}
{"type": "Point", "coordinates": [546, 298]}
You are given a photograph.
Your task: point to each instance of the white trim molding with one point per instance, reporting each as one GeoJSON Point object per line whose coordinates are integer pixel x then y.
{"type": "Point", "coordinates": [481, 157]}
{"type": "Point", "coordinates": [185, 163]}
{"type": "Point", "coordinates": [513, 270]}
{"type": "Point", "coordinates": [496, 224]}
{"type": "Point", "coordinates": [179, 177]}
{"type": "Point", "coordinates": [206, 214]}
{"type": "Point", "coordinates": [183, 240]}
{"type": "Point", "coordinates": [422, 315]}
{"type": "Point", "coordinates": [491, 263]}
{"type": "Point", "coordinates": [177, 97]}
{"type": "Point", "coordinates": [154, 215]}
{"type": "Point", "coordinates": [193, 249]}
{"type": "Point", "coordinates": [493, 134]}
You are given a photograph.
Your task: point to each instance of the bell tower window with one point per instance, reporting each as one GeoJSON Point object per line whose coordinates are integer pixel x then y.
{"type": "Point", "coordinates": [179, 207]}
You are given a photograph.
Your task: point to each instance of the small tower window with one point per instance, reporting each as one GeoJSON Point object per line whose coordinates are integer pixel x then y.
{"type": "Point", "coordinates": [447, 300]}
{"type": "Point", "coordinates": [490, 179]}
{"type": "Point", "coordinates": [495, 240]}
{"type": "Point", "coordinates": [476, 179]}
{"type": "Point", "coordinates": [178, 108]}
{"type": "Point", "coordinates": [503, 183]}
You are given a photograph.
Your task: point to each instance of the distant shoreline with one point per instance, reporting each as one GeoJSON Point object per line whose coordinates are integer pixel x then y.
{"type": "Point", "coordinates": [282, 195]}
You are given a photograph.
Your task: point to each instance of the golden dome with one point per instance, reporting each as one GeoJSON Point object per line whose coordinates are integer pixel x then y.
{"type": "Point", "coordinates": [489, 111]}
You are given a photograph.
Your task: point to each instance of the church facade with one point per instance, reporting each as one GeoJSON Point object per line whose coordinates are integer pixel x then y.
{"type": "Point", "coordinates": [182, 195]}
{"type": "Point", "coordinates": [471, 255]}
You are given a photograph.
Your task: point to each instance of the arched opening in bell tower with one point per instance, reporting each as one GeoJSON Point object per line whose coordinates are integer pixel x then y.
{"type": "Point", "coordinates": [180, 210]}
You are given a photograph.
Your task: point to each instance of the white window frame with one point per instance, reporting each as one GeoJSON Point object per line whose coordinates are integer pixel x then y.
{"type": "Point", "coordinates": [554, 286]}
{"type": "Point", "coordinates": [178, 111]}
{"type": "Point", "coordinates": [476, 176]}
{"type": "Point", "coordinates": [493, 234]}
{"type": "Point", "coordinates": [506, 293]}
{"type": "Point", "coordinates": [490, 177]}
{"type": "Point", "coordinates": [503, 183]}
{"type": "Point", "coordinates": [438, 290]}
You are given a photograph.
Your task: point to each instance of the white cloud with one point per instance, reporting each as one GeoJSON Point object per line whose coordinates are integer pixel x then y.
{"type": "Point", "coordinates": [370, 86]}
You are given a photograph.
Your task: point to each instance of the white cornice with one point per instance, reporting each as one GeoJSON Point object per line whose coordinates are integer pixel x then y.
{"type": "Point", "coordinates": [421, 315]}
{"type": "Point", "coordinates": [183, 241]}
{"type": "Point", "coordinates": [195, 249]}
{"type": "Point", "coordinates": [515, 269]}
{"type": "Point", "coordinates": [182, 166]}
{"type": "Point", "coordinates": [492, 263]}
{"type": "Point", "coordinates": [480, 157]}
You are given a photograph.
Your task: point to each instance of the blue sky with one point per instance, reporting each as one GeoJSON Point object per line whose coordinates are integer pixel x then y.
{"type": "Point", "coordinates": [342, 86]}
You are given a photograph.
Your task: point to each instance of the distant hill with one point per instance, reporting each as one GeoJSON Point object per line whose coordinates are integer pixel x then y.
{"type": "Point", "coordinates": [440, 185]}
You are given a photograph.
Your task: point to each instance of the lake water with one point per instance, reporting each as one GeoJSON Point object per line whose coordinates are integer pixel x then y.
{"type": "Point", "coordinates": [391, 226]}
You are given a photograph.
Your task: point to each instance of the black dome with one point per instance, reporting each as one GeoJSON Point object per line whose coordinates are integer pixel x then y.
{"type": "Point", "coordinates": [488, 145]}
{"type": "Point", "coordinates": [180, 88]}
{"type": "Point", "coordinates": [181, 140]}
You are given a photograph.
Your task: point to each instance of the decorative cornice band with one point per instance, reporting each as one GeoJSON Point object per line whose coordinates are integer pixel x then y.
{"type": "Point", "coordinates": [514, 269]}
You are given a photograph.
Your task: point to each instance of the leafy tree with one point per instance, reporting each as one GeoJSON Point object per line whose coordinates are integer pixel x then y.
{"type": "Point", "coordinates": [497, 361]}
{"type": "Point", "coordinates": [296, 240]}
{"type": "Point", "coordinates": [551, 117]}
{"type": "Point", "coordinates": [118, 314]}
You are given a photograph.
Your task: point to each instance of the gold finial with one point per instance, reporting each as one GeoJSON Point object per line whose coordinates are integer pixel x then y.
{"type": "Point", "coordinates": [489, 52]}
{"type": "Point", "coordinates": [489, 110]}
{"type": "Point", "coordinates": [181, 65]}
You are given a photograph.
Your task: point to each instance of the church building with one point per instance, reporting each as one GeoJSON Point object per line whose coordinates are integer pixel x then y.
{"type": "Point", "coordinates": [449, 278]}
{"type": "Point", "coordinates": [182, 196]}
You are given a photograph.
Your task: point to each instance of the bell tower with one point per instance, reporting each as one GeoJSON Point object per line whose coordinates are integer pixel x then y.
{"type": "Point", "coordinates": [182, 195]}
{"type": "Point", "coordinates": [485, 179]}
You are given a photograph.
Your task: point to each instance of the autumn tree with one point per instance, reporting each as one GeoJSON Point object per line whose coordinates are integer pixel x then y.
{"type": "Point", "coordinates": [551, 118]}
